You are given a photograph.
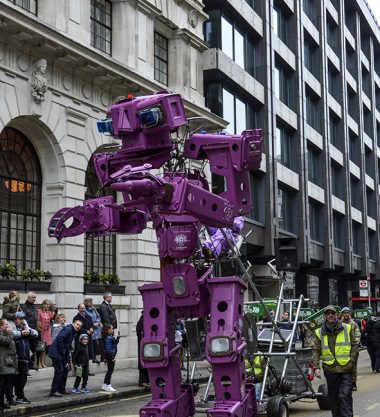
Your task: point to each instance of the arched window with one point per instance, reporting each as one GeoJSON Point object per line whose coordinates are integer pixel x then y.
{"type": "Point", "coordinates": [100, 252]}
{"type": "Point", "coordinates": [20, 201]}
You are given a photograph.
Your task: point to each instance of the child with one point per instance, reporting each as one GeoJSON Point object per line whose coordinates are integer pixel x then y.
{"type": "Point", "coordinates": [81, 364]}
{"type": "Point", "coordinates": [110, 351]}
{"type": "Point", "coordinates": [59, 324]}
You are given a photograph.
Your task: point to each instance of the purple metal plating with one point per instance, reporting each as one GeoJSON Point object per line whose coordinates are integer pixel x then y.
{"type": "Point", "coordinates": [178, 202]}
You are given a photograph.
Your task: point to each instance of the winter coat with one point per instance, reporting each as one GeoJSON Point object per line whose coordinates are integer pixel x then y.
{"type": "Point", "coordinates": [372, 331]}
{"type": "Point", "coordinates": [56, 328]}
{"type": "Point", "coordinates": [8, 358]}
{"type": "Point", "coordinates": [22, 342]}
{"type": "Point", "coordinates": [331, 333]}
{"type": "Point", "coordinates": [95, 317]}
{"type": "Point", "coordinates": [10, 308]}
{"type": "Point", "coordinates": [110, 346]}
{"type": "Point", "coordinates": [31, 314]}
{"type": "Point", "coordinates": [80, 355]}
{"type": "Point", "coordinates": [107, 314]}
{"type": "Point", "coordinates": [86, 321]}
{"type": "Point", "coordinates": [61, 346]}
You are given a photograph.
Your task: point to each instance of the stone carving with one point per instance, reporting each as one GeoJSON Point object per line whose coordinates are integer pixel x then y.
{"type": "Point", "coordinates": [39, 82]}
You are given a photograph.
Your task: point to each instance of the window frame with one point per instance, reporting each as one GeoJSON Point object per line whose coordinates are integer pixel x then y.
{"type": "Point", "coordinates": [100, 260]}
{"type": "Point", "coordinates": [160, 60]}
{"type": "Point", "coordinates": [97, 25]}
{"type": "Point", "coordinates": [20, 238]}
{"type": "Point", "coordinates": [31, 4]}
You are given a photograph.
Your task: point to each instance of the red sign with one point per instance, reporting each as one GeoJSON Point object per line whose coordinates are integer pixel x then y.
{"type": "Point", "coordinates": [363, 283]}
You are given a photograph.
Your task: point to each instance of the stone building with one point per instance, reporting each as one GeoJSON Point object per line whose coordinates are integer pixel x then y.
{"type": "Point", "coordinates": [62, 63]}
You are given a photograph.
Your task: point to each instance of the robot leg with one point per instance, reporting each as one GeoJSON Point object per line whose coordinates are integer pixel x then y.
{"type": "Point", "coordinates": [225, 350]}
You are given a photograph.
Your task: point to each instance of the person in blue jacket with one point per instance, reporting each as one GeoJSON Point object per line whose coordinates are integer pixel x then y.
{"type": "Point", "coordinates": [59, 352]}
{"type": "Point", "coordinates": [110, 352]}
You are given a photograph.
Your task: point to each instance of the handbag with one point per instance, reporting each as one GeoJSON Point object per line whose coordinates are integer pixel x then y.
{"type": "Point", "coordinates": [41, 346]}
{"type": "Point", "coordinates": [79, 371]}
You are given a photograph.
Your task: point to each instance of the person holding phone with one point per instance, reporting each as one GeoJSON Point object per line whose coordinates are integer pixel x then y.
{"type": "Point", "coordinates": [110, 351]}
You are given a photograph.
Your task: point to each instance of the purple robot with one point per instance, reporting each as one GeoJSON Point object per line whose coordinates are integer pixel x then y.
{"type": "Point", "coordinates": [178, 202]}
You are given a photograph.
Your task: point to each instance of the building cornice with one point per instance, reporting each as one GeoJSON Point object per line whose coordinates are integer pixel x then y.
{"type": "Point", "coordinates": [78, 56]}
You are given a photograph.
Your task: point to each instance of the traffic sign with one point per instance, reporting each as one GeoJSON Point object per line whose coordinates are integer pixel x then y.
{"type": "Point", "coordinates": [363, 293]}
{"type": "Point", "coordinates": [363, 283]}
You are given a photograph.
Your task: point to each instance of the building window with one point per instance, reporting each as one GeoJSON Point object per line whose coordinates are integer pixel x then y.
{"type": "Point", "coordinates": [338, 226]}
{"type": "Point", "coordinates": [334, 84]}
{"type": "Point", "coordinates": [161, 58]}
{"type": "Point", "coordinates": [356, 238]}
{"type": "Point", "coordinates": [222, 32]}
{"type": "Point", "coordinates": [310, 8]}
{"type": "Point", "coordinates": [314, 165]}
{"type": "Point", "coordinates": [371, 203]}
{"type": "Point", "coordinates": [282, 83]}
{"type": "Point", "coordinates": [369, 162]}
{"type": "Point", "coordinates": [372, 245]}
{"type": "Point", "coordinates": [316, 221]}
{"type": "Point", "coordinates": [311, 57]}
{"type": "Point", "coordinates": [257, 181]}
{"type": "Point", "coordinates": [101, 25]}
{"type": "Point", "coordinates": [280, 23]}
{"type": "Point", "coordinates": [312, 111]}
{"type": "Point", "coordinates": [284, 147]}
{"type": "Point", "coordinates": [286, 210]}
{"type": "Point", "coordinates": [234, 111]}
{"type": "Point", "coordinates": [356, 196]}
{"type": "Point", "coordinates": [336, 133]}
{"type": "Point", "coordinates": [29, 5]}
{"type": "Point", "coordinates": [100, 252]}
{"type": "Point", "coordinates": [337, 181]}
{"type": "Point", "coordinates": [20, 201]}
{"type": "Point", "coordinates": [239, 113]}
{"type": "Point", "coordinates": [355, 153]}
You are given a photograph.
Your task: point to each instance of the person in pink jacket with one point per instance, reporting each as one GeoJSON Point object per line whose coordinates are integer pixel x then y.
{"type": "Point", "coordinates": [45, 317]}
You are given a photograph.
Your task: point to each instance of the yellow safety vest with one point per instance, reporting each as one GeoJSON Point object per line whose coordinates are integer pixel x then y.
{"type": "Point", "coordinates": [256, 369]}
{"type": "Point", "coordinates": [342, 346]}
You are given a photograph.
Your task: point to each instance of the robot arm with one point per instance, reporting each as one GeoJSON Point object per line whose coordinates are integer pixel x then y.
{"type": "Point", "coordinates": [98, 217]}
{"type": "Point", "coordinates": [231, 157]}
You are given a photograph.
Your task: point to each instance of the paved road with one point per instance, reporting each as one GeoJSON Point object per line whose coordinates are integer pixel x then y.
{"type": "Point", "coordinates": [366, 401]}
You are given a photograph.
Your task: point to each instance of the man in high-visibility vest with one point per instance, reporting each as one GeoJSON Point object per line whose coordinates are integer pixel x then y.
{"type": "Point", "coordinates": [346, 318]}
{"type": "Point", "coordinates": [336, 346]}
{"type": "Point", "coordinates": [255, 372]}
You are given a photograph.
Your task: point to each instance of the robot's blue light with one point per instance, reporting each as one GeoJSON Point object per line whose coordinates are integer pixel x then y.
{"type": "Point", "coordinates": [202, 132]}
{"type": "Point", "coordinates": [105, 126]}
{"type": "Point", "coordinates": [222, 132]}
{"type": "Point", "coordinates": [150, 117]}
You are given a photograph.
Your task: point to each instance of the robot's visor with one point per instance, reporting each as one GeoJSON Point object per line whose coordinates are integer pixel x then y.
{"type": "Point", "coordinates": [150, 117]}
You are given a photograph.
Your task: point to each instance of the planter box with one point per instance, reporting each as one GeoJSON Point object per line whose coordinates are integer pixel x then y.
{"type": "Point", "coordinates": [40, 286]}
{"type": "Point", "coordinates": [12, 284]}
{"type": "Point", "coordinates": [116, 289]}
{"type": "Point", "coordinates": [94, 289]}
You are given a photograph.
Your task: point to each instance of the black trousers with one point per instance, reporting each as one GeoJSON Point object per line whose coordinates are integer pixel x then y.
{"type": "Point", "coordinates": [340, 394]}
{"type": "Point", "coordinates": [4, 382]}
{"type": "Point", "coordinates": [110, 368]}
{"type": "Point", "coordinates": [60, 375]}
{"type": "Point", "coordinates": [20, 379]}
{"type": "Point", "coordinates": [84, 378]}
{"type": "Point", "coordinates": [374, 354]}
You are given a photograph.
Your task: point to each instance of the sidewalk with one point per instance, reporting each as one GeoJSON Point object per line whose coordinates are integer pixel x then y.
{"type": "Point", "coordinates": [38, 387]}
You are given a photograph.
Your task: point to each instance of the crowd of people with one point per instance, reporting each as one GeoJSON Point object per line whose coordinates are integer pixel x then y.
{"type": "Point", "coordinates": [28, 335]}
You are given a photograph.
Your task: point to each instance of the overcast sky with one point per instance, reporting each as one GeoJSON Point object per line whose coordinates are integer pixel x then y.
{"type": "Point", "coordinates": [375, 6]}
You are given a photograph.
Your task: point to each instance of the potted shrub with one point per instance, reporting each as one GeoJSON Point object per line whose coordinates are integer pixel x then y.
{"type": "Point", "coordinates": [93, 283]}
{"type": "Point", "coordinates": [9, 281]}
{"type": "Point", "coordinates": [114, 285]}
{"type": "Point", "coordinates": [36, 280]}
